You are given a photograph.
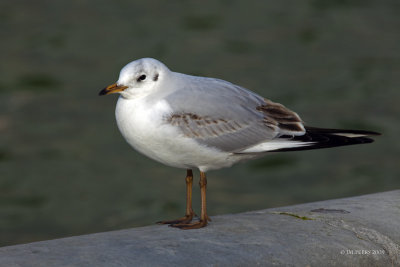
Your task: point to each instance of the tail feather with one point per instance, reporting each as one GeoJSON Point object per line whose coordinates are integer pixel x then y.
{"type": "Point", "coordinates": [316, 138]}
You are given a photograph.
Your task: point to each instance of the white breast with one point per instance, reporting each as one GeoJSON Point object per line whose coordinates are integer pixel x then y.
{"type": "Point", "coordinates": [143, 127]}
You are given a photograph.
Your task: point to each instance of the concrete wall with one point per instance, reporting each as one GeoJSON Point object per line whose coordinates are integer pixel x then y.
{"type": "Point", "coordinates": [357, 231]}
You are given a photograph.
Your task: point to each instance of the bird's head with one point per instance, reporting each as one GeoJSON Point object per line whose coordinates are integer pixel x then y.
{"type": "Point", "coordinates": [139, 77]}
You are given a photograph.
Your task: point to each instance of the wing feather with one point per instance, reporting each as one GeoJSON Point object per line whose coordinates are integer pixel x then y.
{"type": "Point", "coordinates": [228, 117]}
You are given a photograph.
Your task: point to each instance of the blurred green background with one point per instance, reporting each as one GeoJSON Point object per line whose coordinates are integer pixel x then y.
{"type": "Point", "coordinates": [66, 170]}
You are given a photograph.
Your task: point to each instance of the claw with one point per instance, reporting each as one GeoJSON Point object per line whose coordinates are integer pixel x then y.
{"type": "Point", "coordinates": [184, 220]}
{"type": "Point", "coordinates": [187, 226]}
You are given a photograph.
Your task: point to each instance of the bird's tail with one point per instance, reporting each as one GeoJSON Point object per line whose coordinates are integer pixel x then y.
{"type": "Point", "coordinates": [315, 138]}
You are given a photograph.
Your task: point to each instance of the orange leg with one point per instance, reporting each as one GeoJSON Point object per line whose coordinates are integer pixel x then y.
{"type": "Point", "coordinates": [203, 217]}
{"type": "Point", "coordinates": [189, 211]}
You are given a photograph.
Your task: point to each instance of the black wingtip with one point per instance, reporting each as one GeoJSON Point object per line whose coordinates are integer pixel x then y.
{"type": "Point", "coordinates": [326, 138]}
{"type": "Point", "coordinates": [338, 131]}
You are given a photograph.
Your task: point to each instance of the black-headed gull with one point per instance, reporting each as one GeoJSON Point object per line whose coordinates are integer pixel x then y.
{"type": "Point", "coordinates": [191, 122]}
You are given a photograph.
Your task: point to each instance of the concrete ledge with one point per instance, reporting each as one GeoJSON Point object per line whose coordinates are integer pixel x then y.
{"type": "Point", "coordinates": [357, 231]}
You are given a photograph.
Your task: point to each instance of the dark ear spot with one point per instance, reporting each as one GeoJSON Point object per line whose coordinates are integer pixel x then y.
{"type": "Point", "coordinates": [155, 78]}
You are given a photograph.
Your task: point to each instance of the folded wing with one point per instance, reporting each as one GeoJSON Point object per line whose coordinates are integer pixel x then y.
{"type": "Point", "coordinates": [229, 118]}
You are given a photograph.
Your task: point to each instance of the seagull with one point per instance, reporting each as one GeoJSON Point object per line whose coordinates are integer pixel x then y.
{"type": "Point", "coordinates": [193, 122]}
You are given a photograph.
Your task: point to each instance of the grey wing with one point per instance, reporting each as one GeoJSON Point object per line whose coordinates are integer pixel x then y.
{"type": "Point", "coordinates": [228, 117]}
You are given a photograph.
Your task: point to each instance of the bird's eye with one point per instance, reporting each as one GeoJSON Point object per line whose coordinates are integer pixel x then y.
{"type": "Point", "coordinates": [141, 78]}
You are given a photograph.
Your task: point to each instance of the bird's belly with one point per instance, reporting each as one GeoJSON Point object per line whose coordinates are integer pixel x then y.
{"type": "Point", "coordinates": [146, 131]}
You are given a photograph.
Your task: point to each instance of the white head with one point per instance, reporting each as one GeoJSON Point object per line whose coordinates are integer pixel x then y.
{"type": "Point", "coordinates": [138, 78]}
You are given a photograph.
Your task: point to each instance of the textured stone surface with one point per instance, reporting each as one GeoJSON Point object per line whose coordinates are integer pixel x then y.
{"type": "Point", "coordinates": [359, 231]}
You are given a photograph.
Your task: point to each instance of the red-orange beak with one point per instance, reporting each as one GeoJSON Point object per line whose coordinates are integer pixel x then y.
{"type": "Point", "coordinates": [113, 88]}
